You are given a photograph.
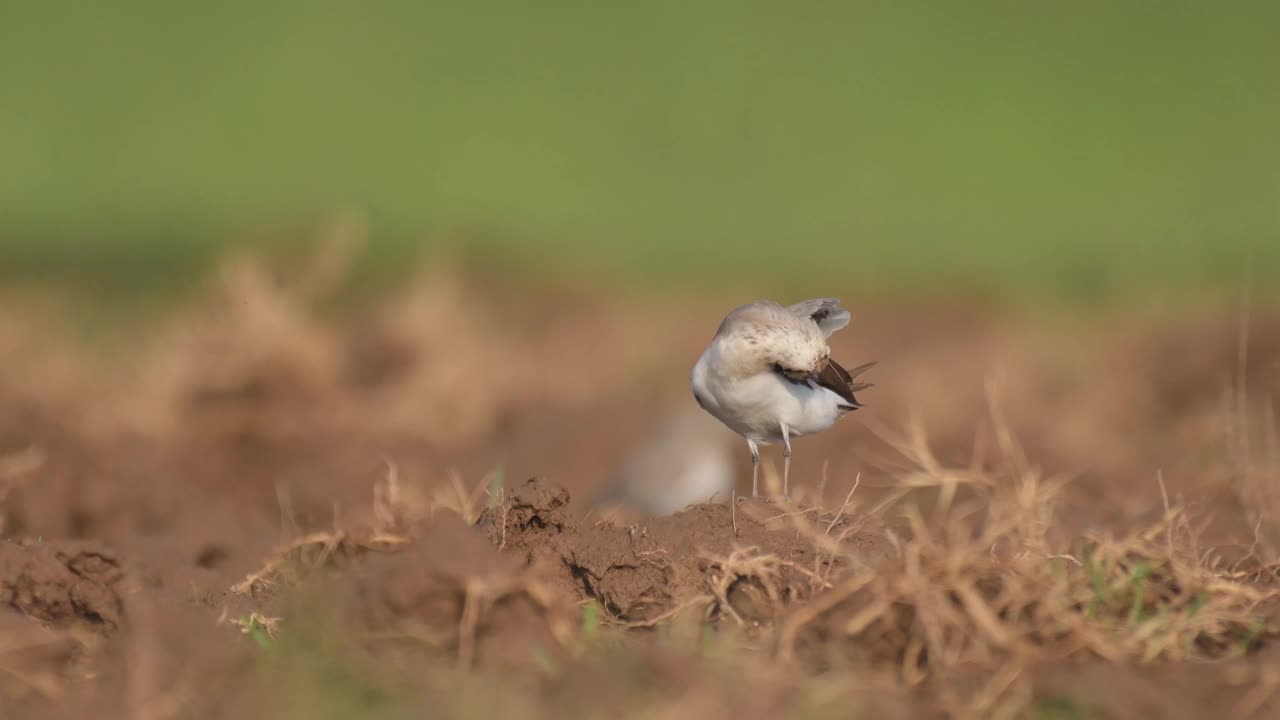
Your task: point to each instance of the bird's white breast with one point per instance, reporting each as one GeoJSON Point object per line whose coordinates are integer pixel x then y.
{"type": "Point", "coordinates": [756, 406]}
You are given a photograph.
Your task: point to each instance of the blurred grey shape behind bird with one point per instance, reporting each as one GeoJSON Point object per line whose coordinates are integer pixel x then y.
{"type": "Point", "coordinates": [688, 460]}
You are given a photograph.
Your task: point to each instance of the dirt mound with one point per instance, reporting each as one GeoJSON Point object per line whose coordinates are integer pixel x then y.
{"type": "Point", "coordinates": [63, 583]}
{"type": "Point", "coordinates": [452, 593]}
{"type": "Point", "coordinates": [746, 562]}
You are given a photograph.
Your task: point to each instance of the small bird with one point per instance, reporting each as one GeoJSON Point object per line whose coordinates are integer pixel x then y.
{"type": "Point", "coordinates": [768, 375]}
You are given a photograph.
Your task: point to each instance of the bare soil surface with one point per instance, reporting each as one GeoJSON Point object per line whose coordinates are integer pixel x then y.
{"type": "Point", "coordinates": [254, 508]}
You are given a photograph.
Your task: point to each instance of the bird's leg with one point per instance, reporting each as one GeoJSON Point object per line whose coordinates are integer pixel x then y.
{"type": "Point", "coordinates": [755, 468]}
{"type": "Point", "coordinates": [786, 461]}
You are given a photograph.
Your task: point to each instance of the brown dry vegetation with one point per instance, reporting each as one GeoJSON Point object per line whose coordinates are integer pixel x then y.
{"type": "Point", "coordinates": [256, 508]}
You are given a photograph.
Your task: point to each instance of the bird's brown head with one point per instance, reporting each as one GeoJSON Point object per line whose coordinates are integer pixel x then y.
{"type": "Point", "coordinates": [764, 339]}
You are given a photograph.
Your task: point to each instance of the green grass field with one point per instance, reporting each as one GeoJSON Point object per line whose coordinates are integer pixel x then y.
{"type": "Point", "coordinates": [1079, 149]}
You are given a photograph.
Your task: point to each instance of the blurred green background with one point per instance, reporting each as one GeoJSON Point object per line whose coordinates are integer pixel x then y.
{"type": "Point", "coordinates": [1068, 149]}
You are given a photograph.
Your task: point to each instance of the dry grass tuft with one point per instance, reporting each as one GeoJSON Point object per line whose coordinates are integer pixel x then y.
{"type": "Point", "coordinates": [983, 585]}
{"type": "Point", "coordinates": [752, 587]}
{"type": "Point", "coordinates": [392, 515]}
{"type": "Point", "coordinates": [311, 552]}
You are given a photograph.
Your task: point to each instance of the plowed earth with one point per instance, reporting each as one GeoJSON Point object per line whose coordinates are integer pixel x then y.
{"type": "Point", "coordinates": [256, 509]}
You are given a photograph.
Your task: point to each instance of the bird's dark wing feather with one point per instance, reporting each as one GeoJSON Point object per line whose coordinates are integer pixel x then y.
{"type": "Point", "coordinates": [840, 381]}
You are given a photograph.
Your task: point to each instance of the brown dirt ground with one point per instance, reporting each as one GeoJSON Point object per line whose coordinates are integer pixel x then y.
{"type": "Point", "coordinates": [237, 510]}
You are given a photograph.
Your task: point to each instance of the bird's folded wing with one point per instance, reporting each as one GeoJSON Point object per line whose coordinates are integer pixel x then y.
{"type": "Point", "coordinates": [840, 381]}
